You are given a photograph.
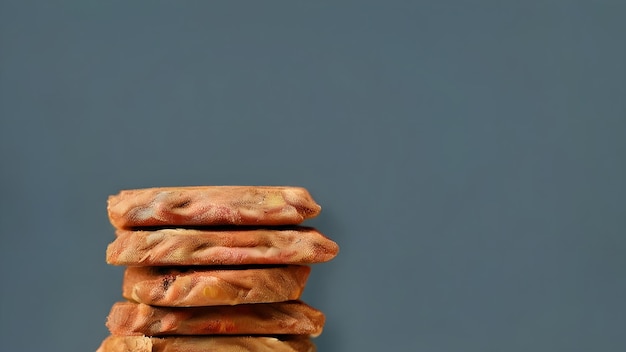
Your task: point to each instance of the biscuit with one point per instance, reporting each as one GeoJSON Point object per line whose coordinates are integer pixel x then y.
{"type": "Point", "coordinates": [200, 286]}
{"type": "Point", "coordinates": [211, 205]}
{"type": "Point", "coordinates": [206, 343]}
{"type": "Point", "coordinates": [238, 246]}
{"type": "Point", "coordinates": [285, 318]}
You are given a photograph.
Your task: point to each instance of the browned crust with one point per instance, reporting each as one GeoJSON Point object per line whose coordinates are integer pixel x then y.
{"type": "Point", "coordinates": [207, 343]}
{"type": "Point", "coordinates": [211, 205]}
{"type": "Point", "coordinates": [165, 247]}
{"type": "Point", "coordinates": [292, 318]}
{"type": "Point", "coordinates": [188, 286]}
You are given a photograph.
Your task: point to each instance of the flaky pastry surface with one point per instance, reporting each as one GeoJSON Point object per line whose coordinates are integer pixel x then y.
{"type": "Point", "coordinates": [206, 343]}
{"type": "Point", "coordinates": [211, 205]}
{"type": "Point", "coordinates": [190, 286]}
{"type": "Point", "coordinates": [240, 246]}
{"type": "Point", "coordinates": [290, 318]}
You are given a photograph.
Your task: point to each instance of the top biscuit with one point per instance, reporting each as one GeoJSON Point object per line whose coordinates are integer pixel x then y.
{"type": "Point", "coordinates": [211, 206]}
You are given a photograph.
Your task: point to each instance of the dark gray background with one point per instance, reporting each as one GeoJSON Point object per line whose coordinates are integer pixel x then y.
{"type": "Point", "coordinates": [468, 155]}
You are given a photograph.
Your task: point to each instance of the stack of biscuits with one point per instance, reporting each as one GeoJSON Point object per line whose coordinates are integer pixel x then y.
{"type": "Point", "coordinates": [214, 268]}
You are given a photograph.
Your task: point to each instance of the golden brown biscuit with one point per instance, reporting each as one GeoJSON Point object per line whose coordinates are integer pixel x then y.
{"type": "Point", "coordinates": [240, 246]}
{"type": "Point", "coordinates": [207, 343]}
{"type": "Point", "coordinates": [191, 286]}
{"type": "Point", "coordinates": [292, 318]}
{"type": "Point", "coordinates": [211, 205]}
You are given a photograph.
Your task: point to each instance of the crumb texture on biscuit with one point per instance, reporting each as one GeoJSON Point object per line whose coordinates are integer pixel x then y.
{"type": "Point", "coordinates": [290, 318]}
{"type": "Point", "coordinates": [190, 286]}
{"type": "Point", "coordinates": [126, 344]}
{"type": "Point", "coordinates": [211, 205]}
{"type": "Point", "coordinates": [207, 343]}
{"type": "Point", "coordinates": [165, 247]}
